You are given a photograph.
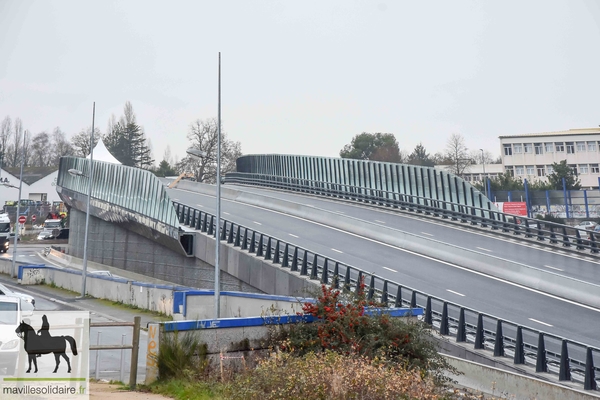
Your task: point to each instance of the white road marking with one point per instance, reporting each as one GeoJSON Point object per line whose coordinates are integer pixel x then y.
{"type": "Point", "coordinates": [292, 235]}
{"type": "Point", "coordinates": [199, 205]}
{"type": "Point", "coordinates": [340, 212]}
{"type": "Point", "coordinates": [389, 269]}
{"type": "Point", "coordinates": [257, 223]}
{"type": "Point", "coordinates": [539, 322]}
{"type": "Point", "coordinates": [456, 293]}
{"type": "Point", "coordinates": [481, 248]}
{"type": "Point", "coordinates": [338, 251]}
{"type": "Point", "coordinates": [558, 269]}
{"type": "Point", "coordinates": [425, 233]}
{"type": "Point", "coordinates": [175, 199]}
{"type": "Point", "coordinates": [381, 222]}
{"type": "Point", "coordinates": [226, 213]}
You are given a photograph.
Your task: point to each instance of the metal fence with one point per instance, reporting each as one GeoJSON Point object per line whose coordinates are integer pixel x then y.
{"type": "Point", "coordinates": [552, 233]}
{"type": "Point", "coordinates": [134, 347]}
{"type": "Point", "coordinates": [569, 359]}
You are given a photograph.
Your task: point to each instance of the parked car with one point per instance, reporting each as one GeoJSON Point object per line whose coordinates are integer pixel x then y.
{"type": "Point", "coordinates": [596, 232]}
{"type": "Point", "coordinates": [44, 235]}
{"type": "Point", "coordinates": [10, 315]}
{"type": "Point", "coordinates": [27, 301]}
{"type": "Point", "coordinates": [586, 225]}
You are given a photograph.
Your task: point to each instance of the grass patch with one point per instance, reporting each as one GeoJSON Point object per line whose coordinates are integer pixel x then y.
{"type": "Point", "coordinates": [182, 389]}
{"type": "Point", "coordinates": [119, 304]}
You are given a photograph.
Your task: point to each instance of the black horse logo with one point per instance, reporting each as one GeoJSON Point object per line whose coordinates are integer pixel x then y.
{"type": "Point", "coordinates": [42, 343]}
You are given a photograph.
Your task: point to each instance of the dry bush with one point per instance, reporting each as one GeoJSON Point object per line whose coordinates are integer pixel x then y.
{"type": "Point", "coordinates": [330, 375]}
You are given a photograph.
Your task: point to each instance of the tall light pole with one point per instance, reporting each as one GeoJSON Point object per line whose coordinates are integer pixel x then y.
{"type": "Point", "coordinates": [484, 176]}
{"type": "Point", "coordinates": [14, 258]}
{"type": "Point", "coordinates": [76, 172]}
{"type": "Point", "coordinates": [199, 153]}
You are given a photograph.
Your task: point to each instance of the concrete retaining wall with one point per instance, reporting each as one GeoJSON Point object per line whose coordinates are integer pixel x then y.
{"type": "Point", "coordinates": [240, 271]}
{"type": "Point", "coordinates": [509, 385]}
{"type": "Point", "coordinates": [545, 281]}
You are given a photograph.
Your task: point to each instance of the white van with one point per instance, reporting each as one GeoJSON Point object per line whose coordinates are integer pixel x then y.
{"type": "Point", "coordinates": [4, 232]}
{"type": "Point", "coordinates": [10, 317]}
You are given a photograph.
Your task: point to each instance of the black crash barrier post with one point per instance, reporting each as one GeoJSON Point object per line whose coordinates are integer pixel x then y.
{"type": "Point", "coordinates": [479, 334]}
{"type": "Point", "coordinates": [590, 372]}
{"type": "Point", "coordinates": [565, 368]}
{"type": "Point", "coordinates": [519, 347]}
{"type": "Point", "coordinates": [461, 331]}
{"type": "Point", "coordinates": [541, 364]}
{"type": "Point", "coordinates": [499, 340]}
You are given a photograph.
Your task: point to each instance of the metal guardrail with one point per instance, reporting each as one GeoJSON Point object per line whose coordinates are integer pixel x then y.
{"type": "Point", "coordinates": [134, 346]}
{"type": "Point", "coordinates": [553, 232]}
{"type": "Point", "coordinates": [570, 360]}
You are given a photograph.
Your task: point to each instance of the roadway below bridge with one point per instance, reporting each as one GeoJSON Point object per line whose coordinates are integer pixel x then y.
{"type": "Point", "coordinates": [449, 281]}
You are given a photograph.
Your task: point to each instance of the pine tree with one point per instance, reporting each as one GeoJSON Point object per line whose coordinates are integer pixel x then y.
{"type": "Point", "coordinates": [127, 141]}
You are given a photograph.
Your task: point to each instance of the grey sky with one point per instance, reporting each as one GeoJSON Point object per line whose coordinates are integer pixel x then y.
{"type": "Point", "coordinates": [304, 77]}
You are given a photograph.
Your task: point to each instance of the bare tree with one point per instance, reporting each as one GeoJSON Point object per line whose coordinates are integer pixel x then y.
{"type": "Point", "coordinates": [203, 135]}
{"type": "Point", "coordinates": [41, 150]}
{"type": "Point", "coordinates": [5, 133]}
{"type": "Point", "coordinates": [27, 148]}
{"type": "Point", "coordinates": [81, 141]}
{"type": "Point", "coordinates": [482, 158]}
{"type": "Point", "coordinates": [15, 153]}
{"type": "Point", "coordinates": [457, 153]}
{"type": "Point", "coordinates": [61, 146]}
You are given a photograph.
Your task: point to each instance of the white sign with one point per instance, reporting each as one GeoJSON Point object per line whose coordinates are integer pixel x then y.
{"type": "Point", "coordinates": [44, 355]}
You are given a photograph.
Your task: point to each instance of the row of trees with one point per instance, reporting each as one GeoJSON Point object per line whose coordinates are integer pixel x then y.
{"type": "Point", "coordinates": [456, 155]}
{"type": "Point", "coordinates": [126, 141]}
{"type": "Point", "coordinates": [384, 147]}
{"type": "Point", "coordinates": [560, 171]}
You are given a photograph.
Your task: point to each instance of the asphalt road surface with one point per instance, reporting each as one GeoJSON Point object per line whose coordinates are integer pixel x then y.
{"type": "Point", "coordinates": [451, 282]}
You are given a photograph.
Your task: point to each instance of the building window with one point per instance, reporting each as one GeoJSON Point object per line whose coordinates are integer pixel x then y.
{"type": "Point", "coordinates": [591, 146]}
{"type": "Point", "coordinates": [580, 146]}
{"type": "Point", "coordinates": [574, 168]}
{"type": "Point", "coordinates": [549, 147]}
{"type": "Point", "coordinates": [549, 169]}
{"type": "Point", "coordinates": [528, 148]}
{"type": "Point", "coordinates": [560, 146]}
{"type": "Point", "coordinates": [541, 170]}
{"type": "Point", "coordinates": [594, 169]}
{"type": "Point", "coordinates": [507, 150]}
{"type": "Point", "coordinates": [510, 170]}
{"type": "Point", "coordinates": [530, 170]}
{"type": "Point", "coordinates": [519, 170]}
{"type": "Point", "coordinates": [583, 168]}
{"type": "Point", "coordinates": [570, 148]}
{"type": "Point", "coordinates": [518, 148]}
{"type": "Point", "coordinates": [538, 148]}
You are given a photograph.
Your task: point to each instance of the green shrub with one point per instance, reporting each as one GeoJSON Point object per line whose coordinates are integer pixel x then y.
{"type": "Point", "coordinates": [343, 327]}
{"type": "Point", "coordinates": [181, 356]}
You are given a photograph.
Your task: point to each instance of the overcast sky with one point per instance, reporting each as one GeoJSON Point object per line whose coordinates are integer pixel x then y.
{"type": "Point", "coordinates": [304, 77]}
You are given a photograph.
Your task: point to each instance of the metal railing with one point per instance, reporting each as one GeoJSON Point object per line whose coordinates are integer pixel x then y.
{"type": "Point", "coordinates": [552, 232]}
{"type": "Point", "coordinates": [134, 346]}
{"type": "Point", "coordinates": [569, 359]}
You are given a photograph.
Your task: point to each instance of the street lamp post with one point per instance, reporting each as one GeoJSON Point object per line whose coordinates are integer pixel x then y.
{"type": "Point", "coordinates": [484, 176]}
{"type": "Point", "coordinates": [14, 257]}
{"type": "Point", "coordinates": [76, 172]}
{"type": "Point", "coordinates": [200, 153]}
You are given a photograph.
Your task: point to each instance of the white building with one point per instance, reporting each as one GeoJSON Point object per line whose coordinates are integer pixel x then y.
{"type": "Point", "coordinates": [39, 184]}
{"type": "Point", "coordinates": [475, 173]}
{"type": "Point", "coordinates": [530, 156]}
